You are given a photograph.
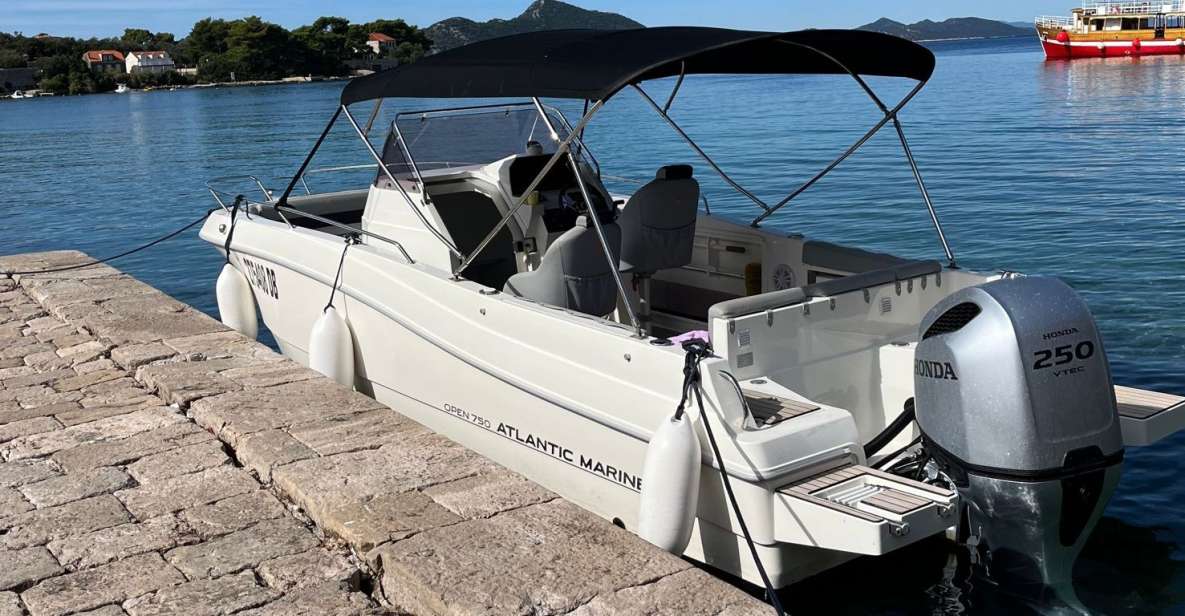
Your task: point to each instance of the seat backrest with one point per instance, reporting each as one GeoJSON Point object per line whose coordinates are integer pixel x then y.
{"type": "Point", "coordinates": [658, 222]}
{"type": "Point", "coordinates": [574, 272]}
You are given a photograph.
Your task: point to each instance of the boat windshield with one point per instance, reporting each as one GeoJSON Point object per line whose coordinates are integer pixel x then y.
{"type": "Point", "coordinates": [466, 137]}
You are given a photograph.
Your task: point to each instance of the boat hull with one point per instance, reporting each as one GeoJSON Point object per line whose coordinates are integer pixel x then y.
{"type": "Point", "coordinates": [485, 373]}
{"type": "Point", "coordinates": [1074, 49]}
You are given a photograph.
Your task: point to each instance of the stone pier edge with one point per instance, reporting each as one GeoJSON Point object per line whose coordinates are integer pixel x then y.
{"type": "Point", "coordinates": [441, 529]}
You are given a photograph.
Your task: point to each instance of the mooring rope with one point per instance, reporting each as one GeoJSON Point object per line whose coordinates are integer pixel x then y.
{"type": "Point", "coordinates": [351, 239]}
{"type": "Point", "coordinates": [10, 274]}
{"type": "Point", "coordinates": [697, 350]}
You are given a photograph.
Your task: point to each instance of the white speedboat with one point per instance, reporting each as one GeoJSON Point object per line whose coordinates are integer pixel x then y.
{"type": "Point", "coordinates": [122, 88]}
{"type": "Point", "coordinates": [19, 94]}
{"type": "Point", "coordinates": [765, 403]}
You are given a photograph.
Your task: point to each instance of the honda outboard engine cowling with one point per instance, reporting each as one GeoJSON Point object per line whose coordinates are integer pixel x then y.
{"type": "Point", "coordinates": [1016, 406]}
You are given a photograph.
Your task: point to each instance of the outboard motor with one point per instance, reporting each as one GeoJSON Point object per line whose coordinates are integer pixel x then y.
{"type": "Point", "coordinates": [1016, 407]}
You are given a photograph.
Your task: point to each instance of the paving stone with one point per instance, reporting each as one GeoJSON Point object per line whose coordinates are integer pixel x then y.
{"type": "Point", "coordinates": [324, 599]}
{"type": "Point", "coordinates": [321, 484]}
{"type": "Point", "coordinates": [83, 352]}
{"type": "Point", "coordinates": [21, 370]}
{"type": "Point", "coordinates": [368, 430]}
{"type": "Point", "coordinates": [42, 324]}
{"type": "Point", "coordinates": [236, 414]}
{"type": "Point", "coordinates": [93, 366]}
{"type": "Point", "coordinates": [70, 336]}
{"type": "Point", "coordinates": [119, 542]}
{"type": "Point", "coordinates": [39, 378]}
{"type": "Point", "coordinates": [11, 362]}
{"type": "Point", "coordinates": [233, 514]}
{"type": "Point", "coordinates": [112, 453]}
{"type": "Point", "coordinates": [219, 345]}
{"type": "Point", "coordinates": [14, 474]}
{"type": "Point", "coordinates": [109, 429]}
{"type": "Point", "coordinates": [180, 461]}
{"type": "Point", "coordinates": [67, 488]}
{"type": "Point", "coordinates": [306, 568]}
{"type": "Point", "coordinates": [488, 494]}
{"type": "Point", "coordinates": [47, 361]}
{"type": "Point", "coordinates": [264, 451]}
{"type": "Point", "coordinates": [87, 414]}
{"type": "Point", "coordinates": [86, 380]}
{"type": "Point", "coordinates": [183, 382]}
{"type": "Point", "coordinates": [10, 604]}
{"type": "Point", "coordinates": [388, 517]}
{"type": "Point", "coordinates": [113, 583]}
{"type": "Point", "coordinates": [12, 415]}
{"type": "Point", "coordinates": [691, 593]}
{"type": "Point", "coordinates": [132, 356]}
{"type": "Point", "coordinates": [159, 498]}
{"type": "Point", "coordinates": [242, 549]}
{"type": "Point", "coordinates": [44, 396]}
{"type": "Point", "coordinates": [148, 318]}
{"type": "Point", "coordinates": [13, 502]}
{"type": "Point", "coordinates": [41, 526]}
{"type": "Point", "coordinates": [25, 427]}
{"type": "Point", "coordinates": [518, 562]}
{"type": "Point", "coordinates": [23, 568]}
{"type": "Point", "coordinates": [270, 374]}
{"type": "Point", "coordinates": [224, 595]}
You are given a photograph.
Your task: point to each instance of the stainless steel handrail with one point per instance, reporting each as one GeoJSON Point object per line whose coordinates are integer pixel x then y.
{"type": "Point", "coordinates": [390, 176]}
{"type": "Point", "coordinates": [267, 195]}
{"type": "Point", "coordinates": [334, 223]}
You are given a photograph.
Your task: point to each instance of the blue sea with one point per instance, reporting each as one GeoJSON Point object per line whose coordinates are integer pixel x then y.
{"type": "Point", "coordinates": [1070, 169]}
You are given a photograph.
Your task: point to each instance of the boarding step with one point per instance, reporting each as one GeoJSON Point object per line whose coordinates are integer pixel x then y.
{"type": "Point", "coordinates": [1148, 416]}
{"type": "Point", "coordinates": [862, 510]}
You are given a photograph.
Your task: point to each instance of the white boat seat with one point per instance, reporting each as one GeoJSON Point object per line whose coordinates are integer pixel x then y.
{"type": "Point", "coordinates": [658, 222]}
{"type": "Point", "coordinates": [574, 272]}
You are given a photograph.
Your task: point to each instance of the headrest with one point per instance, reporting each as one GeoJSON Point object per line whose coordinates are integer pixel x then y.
{"type": "Point", "coordinates": [582, 222]}
{"type": "Point", "coordinates": [674, 172]}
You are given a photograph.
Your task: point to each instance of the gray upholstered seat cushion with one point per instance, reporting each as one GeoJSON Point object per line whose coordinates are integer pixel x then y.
{"type": "Point", "coordinates": [574, 272]}
{"type": "Point", "coordinates": [658, 222]}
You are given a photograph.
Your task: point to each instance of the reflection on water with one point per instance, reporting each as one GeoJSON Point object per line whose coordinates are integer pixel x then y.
{"type": "Point", "coordinates": [1068, 168]}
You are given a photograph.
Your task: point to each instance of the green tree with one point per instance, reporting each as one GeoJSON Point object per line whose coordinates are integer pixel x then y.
{"type": "Point", "coordinates": [10, 58]}
{"type": "Point", "coordinates": [411, 43]}
{"type": "Point", "coordinates": [137, 39]}
{"type": "Point", "coordinates": [325, 45]}
{"type": "Point", "coordinates": [260, 48]}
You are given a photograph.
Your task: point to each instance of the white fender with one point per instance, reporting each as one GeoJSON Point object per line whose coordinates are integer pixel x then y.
{"type": "Point", "coordinates": [331, 348]}
{"type": "Point", "coordinates": [236, 303]}
{"type": "Point", "coordinates": [670, 485]}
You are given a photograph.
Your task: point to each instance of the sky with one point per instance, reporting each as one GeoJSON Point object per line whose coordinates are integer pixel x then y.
{"type": "Point", "coordinates": [86, 18]}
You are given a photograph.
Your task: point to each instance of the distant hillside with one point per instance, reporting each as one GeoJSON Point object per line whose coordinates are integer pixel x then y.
{"type": "Point", "coordinates": [1026, 25]}
{"type": "Point", "coordinates": [541, 15]}
{"type": "Point", "coordinates": [955, 28]}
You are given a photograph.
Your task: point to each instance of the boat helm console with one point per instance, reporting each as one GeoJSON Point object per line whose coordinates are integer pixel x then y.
{"type": "Point", "coordinates": [828, 403]}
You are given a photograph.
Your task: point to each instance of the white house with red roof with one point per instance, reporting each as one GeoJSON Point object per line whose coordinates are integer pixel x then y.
{"type": "Point", "coordinates": [380, 43]}
{"type": "Point", "coordinates": [150, 62]}
{"type": "Point", "coordinates": [104, 60]}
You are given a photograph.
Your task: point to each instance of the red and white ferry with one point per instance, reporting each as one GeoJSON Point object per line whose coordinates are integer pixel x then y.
{"type": "Point", "coordinates": [1105, 28]}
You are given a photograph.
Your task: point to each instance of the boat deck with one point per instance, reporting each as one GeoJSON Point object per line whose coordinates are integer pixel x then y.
{"type": "Point", "coordinates": [1148, 416]}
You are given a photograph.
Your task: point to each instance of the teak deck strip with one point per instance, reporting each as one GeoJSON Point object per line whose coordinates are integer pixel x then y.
{"type": "Point", "coordinates": [769, 410]}
{"type": "Point", "coordinates": [1142, 404]}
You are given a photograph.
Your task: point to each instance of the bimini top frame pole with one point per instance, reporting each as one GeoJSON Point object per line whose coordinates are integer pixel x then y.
{"type": "Point", "coordinates": [890, 115]}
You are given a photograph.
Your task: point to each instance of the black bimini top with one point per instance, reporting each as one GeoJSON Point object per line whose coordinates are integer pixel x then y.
{"type": "Point", "coordinates": [596, 64]}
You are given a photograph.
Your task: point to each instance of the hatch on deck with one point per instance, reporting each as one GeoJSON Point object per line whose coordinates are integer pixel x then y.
{"type": "Point", "coordinates": [862, 510]}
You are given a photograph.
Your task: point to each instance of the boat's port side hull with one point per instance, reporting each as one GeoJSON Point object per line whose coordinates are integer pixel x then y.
{"type": "Point", "coordinates": [1080, 48]}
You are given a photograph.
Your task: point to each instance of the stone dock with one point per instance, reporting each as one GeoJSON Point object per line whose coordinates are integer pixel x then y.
{"type": "Point", "coordinates": [154, 462]}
